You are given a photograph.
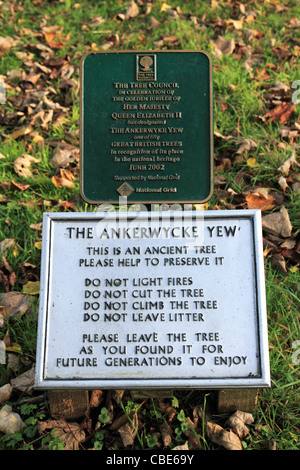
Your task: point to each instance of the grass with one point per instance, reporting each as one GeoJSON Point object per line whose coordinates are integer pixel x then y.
{"type": "Point", "coordinates": [275, 48]}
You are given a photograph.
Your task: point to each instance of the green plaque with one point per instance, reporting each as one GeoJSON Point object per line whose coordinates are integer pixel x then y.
{"type": "Point", "coordinates": [146, 127]}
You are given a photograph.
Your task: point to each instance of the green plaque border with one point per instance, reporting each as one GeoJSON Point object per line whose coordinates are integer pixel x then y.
{"type": "Point", "coordinates": [211, 156]}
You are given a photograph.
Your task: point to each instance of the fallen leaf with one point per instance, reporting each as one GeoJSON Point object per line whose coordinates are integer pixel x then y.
{"type": "Point", "coordinates": [282, 112]}
{"type": "Point", "coordinates": [171, 40]}
{"type": "Point", "coordinates": [237, 24]}
{"type": "Point", "coordinates": [5, 392]}
{"type": "Point", "coordinates": [22, 165]}
{"type": "Point", "coordinates": [7, 42]}
{"type": "Point", "coordinates": [287, 132]}
{"type": "Point", "coordinates": [20, 133]}
{"type": "Point", "coordinates": [5, 313]}
{"type": "Point", "coordinates": [70, 433]}
{"type": "Point", "coordinates": [132, 10]}
{"type": "Point", "coordinates": [287, 164]}
{"type": "Point", "coordinates": [15, 301]}
{"type": "Point", "coordinates": [283, 183]}
{"type": "Point", "coordinates": [278, 262]}
{"type": "Point", "coordinates": [221, 46]}
{"type": "Point", "coordinates": [20, 186]}
{"type": "Point", "coordinates": [25, 382]}
{"type": "Point", "coordinates": [7, 274]}
{"type": "Point", "coordinates": [259, 201]}
{"type": "Point", "coordinates": [31, 288]}
{"type": "Point", "coordinates": [278, 223]}
{"type": "Point", "coordinates": [10, 422]}
{"type": "Point", "coordinates": [227, 439]}
{"type": "Point", "coordinates": [246, 145]}
{"type": "Point", "coordinates": [165, 7]}
{"type": "Point", "coordinates": [166, 433]}
{"type": "Point", "coordinates": [96, 21]}
{"type": "Point", "coordinates": [15, 348]}
{"type": "Point", "coordinates": [128, 431]}
{"type": "Point", "coordinates": [238, 423]}
{"type": "Point", "coordinates": [252, 162]}
{"type": "Point", "coordinates": [37, 226]}
{"type": "Point", "coordinates": [184, 446]}
{"type": "Point", "coordinates": [7, 244]}
{"type": "Point", "coordinates": [96, 398]}
{"type": "Point", "coordinates": [54, 37]}
{"type": "Point", "coordinates": [64, 180]}
{"type": "Point", "coordinates": [153, 23]}
{"type": "Point", "coordinates": [290, 250]}
{"type": "Point", "coordinates": [64, 155]}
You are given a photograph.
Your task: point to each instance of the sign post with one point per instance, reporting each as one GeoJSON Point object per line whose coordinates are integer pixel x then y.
{"type": "Point", "coordinates": [150, 300]}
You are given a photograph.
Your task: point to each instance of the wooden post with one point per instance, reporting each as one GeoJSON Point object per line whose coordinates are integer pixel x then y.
{"type": "Point", "coordinates": [68, 404]}
{"type": "Point", "coordinates": [230, 400]}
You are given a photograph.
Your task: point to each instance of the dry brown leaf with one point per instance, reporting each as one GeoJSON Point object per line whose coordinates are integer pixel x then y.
{"type": "Point", "coordinates": [166, 433]}
{"type": "Point", "coordinates": [119, 422]}
{"type": "Point", "coordinates": [291, 161]}
{"type": "Point", "coordinates": [7, 42]}
{"type": "Point", "coordinates": [96, 398]}
{"type": "Point", "coordinates": [15, 302]}
{"type": "Point", "coordinates": [184, 446]}
{"type": "Point", "coordinates": [7, 244]}
{"type": "Point", "coordinates": [238, 423]}
{"type": "Point", "coordinates": [5, 393]}
{"type": "Point", "coordinates": [64, 180]}
{"type": "Point", "coordinates": [246, 145]}
{"type": "Point", "coordinates": [227, 439]}
{"type": "Point", "coordinates": [5, 313]}
{"type": "Point", "coordinates": [278, 223]}
{"type": "Point", "coordinates": [283, 183]}
{"type": "Point", "coordinates": [221, 46]}
{"type": "Point", "coordinates": [289, 244]}
{"type": "Point", "coordinates": [20, 133]}
{"type": "Point", "coordinates": [22, 165]}
{"type": "Point", "coordinates": [221, 136]}
{"type": "Point", "coordinates": [128, 432]}
{"type": "Point", "coordinates": [278, 262]}
{"type": "Point", "coordinates": [237, 24]}
{"type": "Point", "coordinates": [70, 433]}
{"type": "Point", "coordinates": [281, 112]}
{"type": "Point", "coordinates": [20, 186]}
{"type": "Point", "coordinates": [262, 202]}
{"type": "Point", "coordinates": [33, 78]}
{"type": "Point", "coordinates": [25, 382]}
{"type": "Point", "coordinates": [132, 10]}
{"type": "Point", "coordinates": [171, 40]}
{"type": "Point", "coordinates": [96, 21]}
{"type": "Point", "coordinates": [7, 274]}
{"type": "Point", "coordinates": [64, 155]}
{"type": "Point", "coordinates": [37, 226]}
{"type": "Point", "coordinates": [10, 422]}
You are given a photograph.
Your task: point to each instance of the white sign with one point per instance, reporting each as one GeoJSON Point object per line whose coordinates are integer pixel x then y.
{"type": "Point", "coordinates": [162, 300]}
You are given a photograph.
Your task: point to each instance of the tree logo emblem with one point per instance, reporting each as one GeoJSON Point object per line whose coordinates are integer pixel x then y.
{"type": "Point", "coordinates": [146, 67]}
